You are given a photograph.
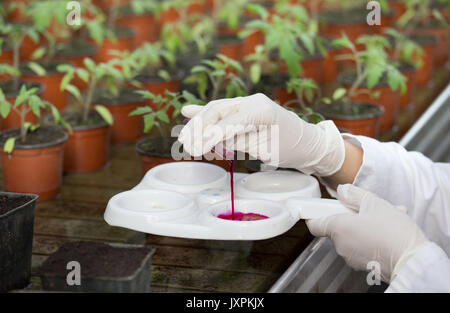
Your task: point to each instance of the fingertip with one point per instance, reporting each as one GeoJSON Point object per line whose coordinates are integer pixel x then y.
{"type": "Point", "coordinates": [190, 110]}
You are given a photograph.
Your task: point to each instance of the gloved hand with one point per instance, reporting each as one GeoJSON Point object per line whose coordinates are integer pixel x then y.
{"type": "Point", "coordinates": [250, 124]}
{"type": "Point", "coordinates": [380, 232]}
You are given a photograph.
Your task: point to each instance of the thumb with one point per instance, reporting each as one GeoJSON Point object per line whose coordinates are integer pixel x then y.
{"type": "Point", "coordinates": [319, 226]}
{"type": "Point", "coordinates": [351, 196]}
{"type": "Point", "coordinates": [189, 111]}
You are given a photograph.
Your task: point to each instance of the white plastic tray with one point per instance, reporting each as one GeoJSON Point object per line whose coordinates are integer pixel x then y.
{"type": "Point", "coordinates": [183, 199]}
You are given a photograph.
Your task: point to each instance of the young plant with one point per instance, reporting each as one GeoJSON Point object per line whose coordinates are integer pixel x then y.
{"type": "Point", "coordinates": [259, 62]}
{"type": "Point", "coordinates": [222, 73]}
{"type": "Point", "coordinates": [138, 7]}
{"type": "Point", "coordinates": [93, 74]}
{"type": "Point", "coordinates": [306, 89]}
{"type": "Point", "coordinates": [15, 34]}
{"type": "Point", "coordinates": [371, 64]}
{"type": "Point", "coordinates": [159, 117]}
{"type": "Point", "coordinates": [420, 11]}
{"type": "Point", "coordinates": [288, 36]}
{"type": "Point", "coordinates": [229, 12]}
{"type": "Point", "coordinates": [405, 49]}
{"type": "Point", "coordinates": [27, 101]}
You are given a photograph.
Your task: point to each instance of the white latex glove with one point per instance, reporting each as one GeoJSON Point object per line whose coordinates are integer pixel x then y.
{"type": "Point", "coordinates": [380, 232]}
{"type": "Point", "coordinates": [313, 149]}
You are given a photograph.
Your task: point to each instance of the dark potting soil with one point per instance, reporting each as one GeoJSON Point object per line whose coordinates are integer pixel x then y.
{"type": "Point", "coordinates": [43, 136]}
{"type": "Point", "coordinates": [348, 78]}
{"type": "Point", "coordinates": [50, 67]}
{"type": "Point", "coordinates": [148, 76]}
{"type": "Point", "coordinates": [154, 147]}
{"type": "Point", "coordinates": [96, 260]}
{"type": "Point", "coordinates": [125, 96]}
{"type": "Point", "coordinates": [122, 32]}
{"type": "Point", "coordinates": [344, 17]}
{"type": "Point", "coordinates": [75, 119]}
{"type": "Point", "coordinates": [8, 203]}
{"type": "Point", "coordinates": [77, 48]}
{"type": "Point", "coordinates": [10, 92]}
{"type": "Point", "coordinates": [424, 40]}
{"type": "Point", "coordinates": [357, 110]}
{"type": "Point", "coordinates": [227, 39]}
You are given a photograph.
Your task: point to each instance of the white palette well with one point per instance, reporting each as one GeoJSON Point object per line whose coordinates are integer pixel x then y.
{"type": "Point", "coordinates": [183, 199]}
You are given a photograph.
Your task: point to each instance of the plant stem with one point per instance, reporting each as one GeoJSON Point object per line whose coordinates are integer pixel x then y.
{"type": "Point", "coordinates": [16, 61]}
{"type": "Point", "coordinates": [23, 131]}
{"type": "Point", "coordinates": [87, 102]}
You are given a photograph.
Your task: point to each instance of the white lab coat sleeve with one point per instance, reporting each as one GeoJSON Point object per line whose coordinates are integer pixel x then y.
{"type": "Point", "coordinates": [408, 179]}
{"type": "Point", "coordinates": [428, 270]}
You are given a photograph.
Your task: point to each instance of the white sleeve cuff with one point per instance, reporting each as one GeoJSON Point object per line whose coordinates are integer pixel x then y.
{"type": "Point", "coordinates": [426, 271]}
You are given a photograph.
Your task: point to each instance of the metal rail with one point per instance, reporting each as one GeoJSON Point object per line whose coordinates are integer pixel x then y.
{"type": "Point", "coordinates": [318, 268]}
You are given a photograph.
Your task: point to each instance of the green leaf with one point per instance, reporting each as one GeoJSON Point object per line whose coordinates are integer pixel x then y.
{"type": "Point", "coordinates": [162, 116]}
{"type": "Point", "coordinates": [9, 145]}
{"type": "Point", "coordinates": [66, 80]}
{"type": "Point", "coordinates": [105, 114]}
{"type": "Point", "coordinates": [38, 53]}
{"type": "Point", "coordinates": [255, 73]}
{"type": "Point", "coordinates": [339, 93]}
{"type": "Point", "coordinates": [74, 91]}
{"type": "Point", "coordinates": [83, 74]}
{"type": "Point", "coordinates": [141, 111]}
{"type": "Point", "coordinates": [149, 121]}
{"type": "Point", "coordinates": [37, 68]}
{"type": "Point", "coordinates": [164, 74]}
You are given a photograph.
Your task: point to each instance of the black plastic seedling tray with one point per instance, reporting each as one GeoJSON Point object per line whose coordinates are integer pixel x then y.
{"type": "Point", "coordinates": [16, 239]}
{"type": "Point", "coordinates": [104, 267]}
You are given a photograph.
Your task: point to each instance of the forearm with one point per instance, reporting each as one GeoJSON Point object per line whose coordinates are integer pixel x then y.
{"type": "Point", "coordinates": [350, 168]}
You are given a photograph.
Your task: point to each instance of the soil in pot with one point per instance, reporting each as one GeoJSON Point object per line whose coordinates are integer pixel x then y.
{"type": "Point", "coordinates": [124, 41]}
{"type": "Point", "coordinates": [428, 44]}
{"type": "Point", "coordinates": [13, 119]}
{"type": "Point", "coordinates": [75, 52]}
{"type": "Point", "coordinates": [16, 239]}
{"type": "Point", "coordinates": [35, 166]}
{"type": "Point", "coordinates": [190, 58]}
{"type": "Point", "coordinates": [362, 119]}
{"type": "Point", "coordinates": [152, 153]}
{"type": "Point", "coordinates": [387, 99]}
{"type": "Point", "coordinates": [51, 83]}
{"type": "Point", "coordinates": [87, 148]}
{"type": "Point", "coordinates": [104, 267]}
{"type": "Point", "coordinates": [125, 128]}
{"type": "Point", "coordinates": [143, 25]}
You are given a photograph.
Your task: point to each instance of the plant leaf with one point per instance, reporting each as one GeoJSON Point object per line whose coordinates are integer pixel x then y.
{"type": "Point", "coordinates": [105, 114]}
{"type": "Point", "coordinates": [9, 145]}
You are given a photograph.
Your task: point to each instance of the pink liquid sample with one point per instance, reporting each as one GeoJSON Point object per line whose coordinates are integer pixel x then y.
{"type": "Point", "coordinates": [239, 216]}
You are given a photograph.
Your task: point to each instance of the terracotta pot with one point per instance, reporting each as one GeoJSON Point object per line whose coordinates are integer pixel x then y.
{"type": "Point", "coordinates": [398, 8]}
{"type": "Point", "coordinates": [51, 83]}
{"type": "Point", "coordinates": [123, 42]}
{"type": "Point", "coordinates": [35, 168]}
{"type": "Point", "coordinates": [13, 119]}
{"type": "Point", "coordinates": [425, 72]}
{"type": "Point", "coordinates": [231, 47]}
{"type": "Point", "coordinates": [125, 128]}
{"type": "Point", "coordinates": [75, 52]}
{"type": "Point", "coordinates": [441, 51]}
{"type": "Point", "coordinates": [251, 42]}
{"type": "Point", "coordinates": [87, 149]}
{"type": "Point", "coordinates": [387, 99]}
{"type": "Point", "coordinates": [28, 47]}
{"type": "Point", "coordinates": [143, 26]}
{"type": "Point", "coordinates": [281, 95]}
{"type": "Point", "coordinates": [311, 68]}
{"type": "Point", "coordinates": [364, 124]}
{"type": "Point", "coordinates": [150, 160]}
{"type": "Point", "coordinates": [17, 15]}
{"type": "Point", "coordinates": [169, 16]}
{"type": "Point", "coordinates": [6, 57]}
{"type": "Point", "coordinates": [329, 67]}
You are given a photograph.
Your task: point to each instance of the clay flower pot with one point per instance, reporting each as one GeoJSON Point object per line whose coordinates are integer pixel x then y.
{"type": "Point", "coordinates": [16, 239]}
{"type": "Point", "coordinates": [87, 148]}
{"type": "Point", "coordinates": [35, 166]}
{"type": "Point", "coordinates": [364, 123]}
{"type": "Point", "coordinates": [13, 119]}
{"type": "Point", "coordinates": [75, 52]}
{"type": "Point", "coordinates": [428, 44]}
{"type": "Point", "coordinates": [143, 26]}
{"type": "Point", "coordinates": [387, 99]}
{"type": "Point", "coordinates": [230, 46]}
{"type": "Point", "coordinates": [124, 41]}
{"type": "Point", "coordinates": [125, 128]}
{"type": "Point", "coordinates": [249, 43]}
{"type": "Point", "coordinates": [441, 51]}
{"type": "Point", "coordinates": [51, 83]}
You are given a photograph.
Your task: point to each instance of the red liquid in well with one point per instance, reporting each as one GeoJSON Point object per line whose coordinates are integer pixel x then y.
{"type": "Point", "coordinates": [239, 216]}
